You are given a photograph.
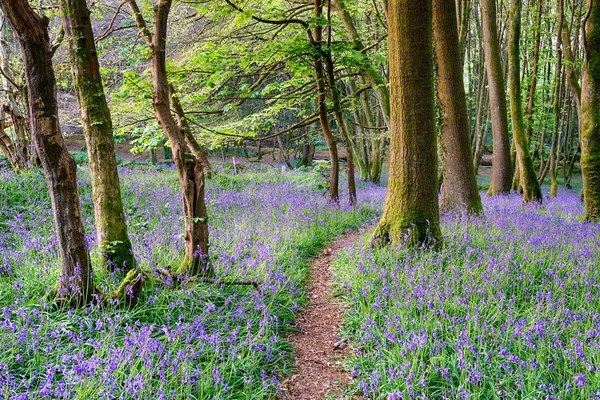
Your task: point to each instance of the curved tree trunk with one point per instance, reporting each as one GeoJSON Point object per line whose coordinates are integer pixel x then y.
{"type": "Point", "coordinates": [590, 113]}
{"type": "Point", "coordinates": [501, 167]}
{"type": "Point", "coordinates": [411, 213]}
{"type": "Point", "coordinates": [527, 177]}
{"type": "Point", "coordinates": [322, 107]}
{"type": "Point", "coordinates": [460, 185]}
{"type": "Point", "coordinates": [189, 158]}
{"type": "Point", "coordinates": [76, 284]}
{"type": "Point", "coordinates": [111, 226]}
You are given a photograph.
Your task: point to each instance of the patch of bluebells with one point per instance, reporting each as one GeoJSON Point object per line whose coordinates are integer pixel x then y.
{"type": "Point", "coordinates": [201, 341]}
{"type": "Point", "coordinates": [510, 308]}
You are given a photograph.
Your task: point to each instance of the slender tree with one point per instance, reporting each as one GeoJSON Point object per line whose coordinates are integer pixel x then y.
{"type": "Point", "coordinates": [590, 112]}
{"type": "Point", "coordinates": [411, 213]}
{"type": "Point", "coordinates": [366, 68]}
{"type": "Point", "coordinates": [190, 160]}
{"type": "Point", "coordinates": [501, 165]}
{"type": "Point", "coordinates": [111, 227]}
{"type": "Point", "coordinates": [76, 283]}
{"type": "Point", "coordinates": [317, 43]}
{"type": "Point", "coordinates": [534, 70]}
{"type": "Point", "coordinates": [527, 177]}
{"type": "Point", "coordinates": [460, 184]}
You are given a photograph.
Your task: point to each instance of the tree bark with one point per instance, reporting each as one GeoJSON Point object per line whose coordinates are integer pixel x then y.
{"type": "Point", "coordinates": [20, 144]}
{"type": "Point", "coordinates": [460, 184]}
{"type": "Point", "coordinates": [590, 112]}
{"type": "Point", "coordinates": [322, 106]}
{"type": "Point", "coordinates": [534, 72]}
{"type": "Point", "coordinates": [341, 124]}
{"type": "Point", "coordinates": [366, 69]}
{"type": "Point", "coordinates": [553, 160]}
{"type": "Point", "coordinates": [76, 283]}
{"type": "Point", "coordinates": [189, 158]}
{"type": "Point", "coordinates": [411, 213]}
{"type": "Point", "coordinates": [501, 166]}
{"type": "Point", "coordinates": [527, 177]}
{"type": "Point", "coordinates": [111, 226]}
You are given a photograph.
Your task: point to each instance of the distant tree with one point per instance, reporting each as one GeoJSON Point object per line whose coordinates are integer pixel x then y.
{"type": "Point", "coordinates": [460, 191]}
{"type": "Point", "coordinates": [411, 213]}
{"type": "Point", "coordinates": [501, 165]}
{"type": "Point", "coordinates": [76, 283]}
{"type": "Point", "coordinates": [590, 110]}
{"type": "Point", "coordinates": [527, 177]}
{"type": "Point", "coordinates": [111, 227]}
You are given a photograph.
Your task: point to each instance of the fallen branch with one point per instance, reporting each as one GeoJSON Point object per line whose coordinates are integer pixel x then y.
{"type": "Point", "coordinates": [178, 277]}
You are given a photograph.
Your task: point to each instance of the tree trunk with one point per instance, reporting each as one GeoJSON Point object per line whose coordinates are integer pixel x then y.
{"type": "Point", "coordinates": [460, 185]}
{"type": "Point", "coordinates": [190, 160]}
{"type": "Point", "coordinates": [111, 226]}
{"type": "Point", "coordinates": [527, 177]}
{"type": "Point", "coordinates": [411, 213]}
{"type": "Point", "coordinates": [590, 113]}
{"type": "Point", "coordinates": [341, 125]}
{"type": "Point", "coordinates": [534, 72]}
{"type": "Point", "coordinates": [501, 167]}
{"type": "Point", "coordinates": [322, 107]}
{"type": "Point", "coordinates": [366, 69]}
{"type": "Point", "coordinates": [553, 161]}
{"type": "Point", "coordinates": [76, 283]}
{"type": "Point", "coordinates": [20, 144]}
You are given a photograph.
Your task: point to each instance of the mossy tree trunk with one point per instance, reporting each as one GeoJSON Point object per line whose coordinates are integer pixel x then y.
{"type": "Point", "coordinates": [460, 184]}
{"type": "Point", "coordinates": [76, 284]}
{"type": "Point", "coordinates": [111, 226]}
{"type": "Point", "coordinates": [411, 213]}
{"type": "Point", "coordinates": [501, 165]}
{"type": "Point", "coordinates": [590, 112]}
{"type": "Point", "coordinates": [527, 177]}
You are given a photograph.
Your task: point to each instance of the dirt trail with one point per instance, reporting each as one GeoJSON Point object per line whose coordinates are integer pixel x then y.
{"type": "Point", "coordinates": [319, 351]}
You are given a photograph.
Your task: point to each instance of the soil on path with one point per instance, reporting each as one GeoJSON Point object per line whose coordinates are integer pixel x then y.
{"type": "Point", "coordinates": [318, 349]}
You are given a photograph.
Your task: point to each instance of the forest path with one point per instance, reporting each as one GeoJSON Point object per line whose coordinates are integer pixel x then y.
{"type": "Point", "coordinates": [319, 353]}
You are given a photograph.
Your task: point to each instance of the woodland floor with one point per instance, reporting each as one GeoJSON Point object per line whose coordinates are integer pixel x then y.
{"type": "Point", "coordinates": [319, 351]}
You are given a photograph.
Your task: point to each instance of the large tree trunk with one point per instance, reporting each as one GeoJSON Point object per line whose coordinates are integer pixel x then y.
{"type": "Point", "coordinates": [76, 283]}
{"type": "Point", "coordinates": [527, 176]}
{"type": "Point", "coordinates": [411, 213]}
{"type": "Point", "coordinates": [111, 227]}
{"type": "Point", "coordinates": [590, 113]}
{"type": "Point", "coordinates": [501, 167]}
{"type": "Point", "coordinates": [460, 185]}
